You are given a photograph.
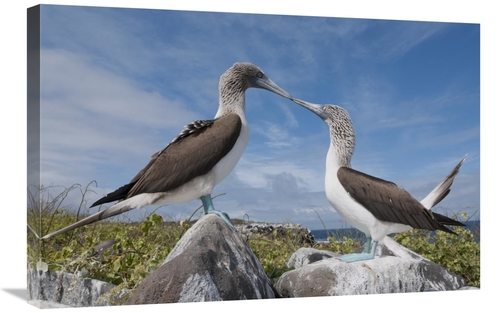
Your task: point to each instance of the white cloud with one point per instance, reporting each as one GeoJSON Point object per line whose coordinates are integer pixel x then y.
{"type": "Point", "coordinates": [91, 117]}
{"type": "Point", "coordinates": [395, 41]}
{"type": "Point", "coordinates": [276, 136]}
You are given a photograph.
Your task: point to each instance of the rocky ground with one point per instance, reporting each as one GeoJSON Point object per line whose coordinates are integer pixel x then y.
{"type": "Point", "coordinates": [213, 262]}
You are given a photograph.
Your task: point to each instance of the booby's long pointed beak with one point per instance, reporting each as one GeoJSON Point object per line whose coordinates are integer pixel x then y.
{"type": "Point", "coordinates": [266, 83]}
{"type": "Point", "coordinates": [315, 108]}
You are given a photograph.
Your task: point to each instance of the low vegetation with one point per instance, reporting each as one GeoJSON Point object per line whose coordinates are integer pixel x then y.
{"type": "Point", "coordinates": [138, 248]}
{"type": "Point", "coordinates": [459, 254]}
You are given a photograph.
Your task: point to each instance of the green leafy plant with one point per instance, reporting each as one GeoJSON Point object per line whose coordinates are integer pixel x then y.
{"type": "Point", "coordinates": [136, 249]}
{"type": "Point", "coordinates": [459, 254]}
{"type": "Point", "coordinates": [274, 250]}
{"type": "Point", "coordinates": [344, 245]}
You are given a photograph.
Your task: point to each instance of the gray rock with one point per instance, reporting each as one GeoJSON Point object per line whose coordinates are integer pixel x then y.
{"type": "Point", "coordinates": [437, 278]}
{"type": "Point", "coordinates": [396, 269]}
{"type": "Point", "coordinates": [211, 262]}
{"type": "Point", "coordinates": [47, 304]}
{"type": "Point", "coordinates": [469, 288]}
{"type": "Point", "coordinates": [53, 289]}
{"type": "Point", "coordinates": [304, 256]}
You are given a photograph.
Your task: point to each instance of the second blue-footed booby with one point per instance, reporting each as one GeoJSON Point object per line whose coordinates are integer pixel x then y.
{"type": "Point", "coordinates": [199, 158]}
{"type": "Point", "coordinates": [372, 205]}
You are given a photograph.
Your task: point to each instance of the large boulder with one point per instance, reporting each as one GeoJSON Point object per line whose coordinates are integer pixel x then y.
{"type": "Point", "coordinates": [211, 262]}
{"type": "Point", "coordinates": [395, 269]}
{"type": "Point", "coordinates": [54, 289]}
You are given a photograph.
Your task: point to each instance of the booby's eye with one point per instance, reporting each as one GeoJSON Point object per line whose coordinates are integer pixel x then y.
{"type": "Point", "coordinates": [259, 75]}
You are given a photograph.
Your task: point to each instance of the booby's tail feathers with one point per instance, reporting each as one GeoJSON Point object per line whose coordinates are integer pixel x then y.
{"type": "Point", "coordinates": [438, 194]}
{"type": "Point", "coordinates": [444, 220]}
{"type": "Point", "coordinates": [116, 209]}
{"type": "Point", "coordinates": [442, 189]}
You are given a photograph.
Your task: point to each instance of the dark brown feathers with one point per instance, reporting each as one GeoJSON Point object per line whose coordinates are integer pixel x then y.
{"type": "Point", "coordinates": [194, 152]}
{"type": "Point", "coordinates": [193, 128]}
{"type": "Point", "coordinates": [390, 203]}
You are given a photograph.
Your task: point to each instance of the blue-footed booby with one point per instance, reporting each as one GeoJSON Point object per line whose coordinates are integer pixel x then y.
{"type": "Point", "coordinates": [198, 159]}
{"type": "Point", "coordinates": [372, 205]}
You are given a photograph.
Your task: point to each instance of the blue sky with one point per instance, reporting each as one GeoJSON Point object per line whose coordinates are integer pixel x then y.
{"type": "Point", "coordinates": [119, 84]}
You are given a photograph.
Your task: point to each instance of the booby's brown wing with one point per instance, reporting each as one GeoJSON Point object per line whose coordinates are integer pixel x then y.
{"type": "Point", "coordinates": [121, 193]}
{"type": "Point", "coordinates": [199, 147]}
{"type": "Point", "coordinates": [386, 201]}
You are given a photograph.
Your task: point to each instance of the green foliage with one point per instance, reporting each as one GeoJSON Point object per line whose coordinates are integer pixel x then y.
{"type": "Point", "coordinates": [343, 246]}
{"type": "Point", "coordinates": [459, 254]}
{"type": "Point", "coordinates": [138, 248]}
{"type": "Point", "coordinates": [274, 250]}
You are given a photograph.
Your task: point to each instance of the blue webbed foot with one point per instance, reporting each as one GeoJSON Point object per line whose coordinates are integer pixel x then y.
{"type": "Point", "coordinates": [354, 257]}
{"type": "Point", "coordinates": [208, 207]}
{"type": "Point", "coordinates": [367, 254]}
{"type": "Point", "coordinates": [224, 216]}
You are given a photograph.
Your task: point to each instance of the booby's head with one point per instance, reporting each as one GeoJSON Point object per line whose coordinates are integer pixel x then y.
{"type": "Point", "coordinates": [241, 76]}
{"type": "Point", "coordinates": [339, 122]}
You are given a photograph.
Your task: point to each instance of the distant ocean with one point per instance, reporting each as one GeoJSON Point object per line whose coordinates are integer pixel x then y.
{"type": "Point", "coordinates": [321, 235]}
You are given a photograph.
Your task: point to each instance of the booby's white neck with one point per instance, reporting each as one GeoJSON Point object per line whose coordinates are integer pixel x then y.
{"type": "Point", "coordinates": [237, 106]}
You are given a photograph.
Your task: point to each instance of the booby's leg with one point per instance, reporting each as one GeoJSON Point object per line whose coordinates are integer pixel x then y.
{"type": "Point", "coordinates": [368, 243]}
{"type": "Point", "coordinates": [365, 255]}
{"type": "Point", "coordinates": [208, 207]}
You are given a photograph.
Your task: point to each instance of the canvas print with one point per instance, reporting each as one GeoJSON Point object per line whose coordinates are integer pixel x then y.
{"type": "Point", "coordinates": [184, 156]}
